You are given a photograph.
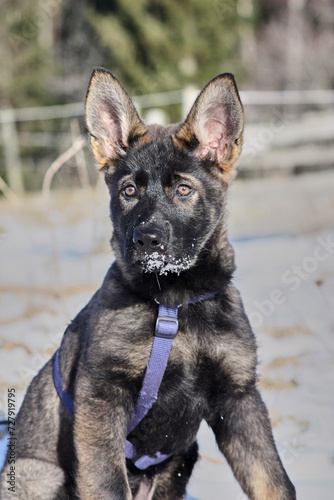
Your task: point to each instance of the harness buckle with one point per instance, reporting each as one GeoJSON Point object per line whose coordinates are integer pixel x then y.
{"type": "Point", "coordinates": [142, 461]}
{"type": "Point", "coordinates": [166, 331]}
{"type": "Point", "coordinates": [137, 457]}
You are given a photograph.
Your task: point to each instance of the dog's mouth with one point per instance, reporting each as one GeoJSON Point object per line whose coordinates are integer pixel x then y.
{"type": "Point", "coordinates": [157, 262]}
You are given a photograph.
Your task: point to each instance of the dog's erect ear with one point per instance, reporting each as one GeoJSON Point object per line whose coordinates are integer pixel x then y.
{"type": "Point", "coordinates": [112, 120]}
{"type": "Point", "coordinates": [213, 129]}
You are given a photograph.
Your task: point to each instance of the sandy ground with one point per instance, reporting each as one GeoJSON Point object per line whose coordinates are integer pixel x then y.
{"type": "Point", "coordinates": [52, 260]}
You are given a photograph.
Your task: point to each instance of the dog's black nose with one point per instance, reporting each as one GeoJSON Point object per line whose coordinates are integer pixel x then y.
{"type": "Point", "coordinates": [149, 239]}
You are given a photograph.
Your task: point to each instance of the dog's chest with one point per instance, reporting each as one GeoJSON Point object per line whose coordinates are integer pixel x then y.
{"type": "Point", "coordinates": [200, 357]}
{"type": "Point", "coordinates": [207, 356]}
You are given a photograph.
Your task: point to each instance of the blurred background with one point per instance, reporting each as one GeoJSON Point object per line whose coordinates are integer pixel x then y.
{"type": "Point", "coordinates": [49, 47]}
{"type": "Point", "coordinates": [54, 225]}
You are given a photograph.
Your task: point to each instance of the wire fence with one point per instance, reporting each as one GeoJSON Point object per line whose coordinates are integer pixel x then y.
{"type": "Point", "coordinates": [183, 97]}
{"type": "Point", "coordinates": [72, 143]}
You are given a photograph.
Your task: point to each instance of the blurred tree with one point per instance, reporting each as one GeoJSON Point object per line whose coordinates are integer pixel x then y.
{"type": "Point", "coordinates": [26, 41]}
{"type": "Point", "coordinates": [50, 46]}
{"type": "Point", "coordinates": [294, 41]}
{"type": "Point", "coordinates": [151, 45]}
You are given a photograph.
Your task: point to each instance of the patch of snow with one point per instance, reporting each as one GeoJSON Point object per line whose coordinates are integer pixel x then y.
{"type": "Point", "coordinates": [156, 262]}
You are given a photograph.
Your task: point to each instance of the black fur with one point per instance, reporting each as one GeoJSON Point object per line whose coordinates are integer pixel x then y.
{"type": "Point", "coordinates": [168, 189]}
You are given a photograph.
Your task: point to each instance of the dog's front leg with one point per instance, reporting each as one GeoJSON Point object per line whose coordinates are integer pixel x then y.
{"type": "Point", "coordinates": [99, 435]}
{"type": "Point", "coordinates": [243, 434]}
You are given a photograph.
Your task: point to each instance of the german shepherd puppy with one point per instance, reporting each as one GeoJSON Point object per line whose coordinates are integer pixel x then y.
{"type": "Point", "coordinates": [168, 188]}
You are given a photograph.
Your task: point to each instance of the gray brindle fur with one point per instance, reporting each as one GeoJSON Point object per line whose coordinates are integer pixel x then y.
{"type": "Point", "coordinates": [168, 189]}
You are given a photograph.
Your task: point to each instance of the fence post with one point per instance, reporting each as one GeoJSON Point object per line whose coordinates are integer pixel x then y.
{"type": "Point", "coordinates": [11, 149]}
{"type": "Point", "coordinates": [79, 155]}
{"type": "Point", "coordinates": [189, 95]}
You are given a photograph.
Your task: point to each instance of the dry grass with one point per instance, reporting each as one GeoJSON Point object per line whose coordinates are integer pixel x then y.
{"type": "Point", "coordinates": [277, 384]}
{"type": "Point", "coordinates": [291, 331]}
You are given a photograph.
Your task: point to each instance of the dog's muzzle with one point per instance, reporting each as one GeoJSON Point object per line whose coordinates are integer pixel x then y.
{"type": "Point", "coordinates": [152, 252]}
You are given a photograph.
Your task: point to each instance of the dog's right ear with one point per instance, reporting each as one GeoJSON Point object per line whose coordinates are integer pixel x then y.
{"type": "Point", "coordinates": [112, 119]}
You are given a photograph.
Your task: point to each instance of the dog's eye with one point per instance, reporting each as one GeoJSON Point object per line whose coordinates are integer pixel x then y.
{"type": "Point", "coordinates": [184, 190]}
{"type": "Point", "coordinates": [129, 191]}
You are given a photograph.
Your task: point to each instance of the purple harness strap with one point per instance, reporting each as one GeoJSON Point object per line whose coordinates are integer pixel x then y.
{"type": "Point", "coordinates": [165, 331]}
{"type": "Point", "coordinates": [64, 396]}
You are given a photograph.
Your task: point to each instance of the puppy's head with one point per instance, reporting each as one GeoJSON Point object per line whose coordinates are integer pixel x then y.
{"type": "Point", "coordinates": [167, 184]}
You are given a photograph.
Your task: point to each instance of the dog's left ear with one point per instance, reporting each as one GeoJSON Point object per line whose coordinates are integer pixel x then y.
{"type": "Point", "coordinates": [213, 129]}
{"type": "Point", "coordinates": [112, 119]}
